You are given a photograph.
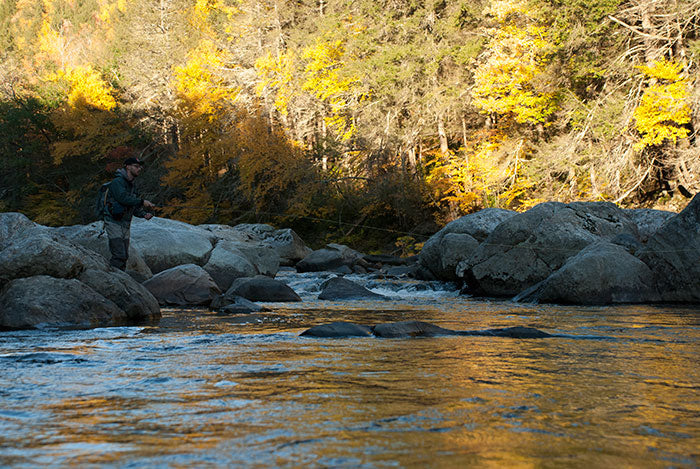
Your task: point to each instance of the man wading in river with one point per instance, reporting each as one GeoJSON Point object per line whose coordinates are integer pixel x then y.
{"type": "Point", "coordinates": [122, 202]}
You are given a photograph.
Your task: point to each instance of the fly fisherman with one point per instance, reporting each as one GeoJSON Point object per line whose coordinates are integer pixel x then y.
{"type": "Point", "coordinates": [122, 203]}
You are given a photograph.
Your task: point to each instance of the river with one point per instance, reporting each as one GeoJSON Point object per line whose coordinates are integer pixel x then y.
{"type": "Point", "coordinates": [620, 388]}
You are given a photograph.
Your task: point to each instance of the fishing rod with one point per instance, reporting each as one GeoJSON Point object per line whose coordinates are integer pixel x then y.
{"type": "Point", "coordinates": [273, 214]}
{"type": "Point", "coordinates": [338, 222]}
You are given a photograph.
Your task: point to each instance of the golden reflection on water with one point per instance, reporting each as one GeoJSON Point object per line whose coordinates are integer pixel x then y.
{"type": "Point", "coordinates": [209, 396]}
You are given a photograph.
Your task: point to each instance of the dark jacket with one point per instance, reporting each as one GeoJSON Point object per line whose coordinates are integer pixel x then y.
{"type": "Point", "coordinates": [123, 192]}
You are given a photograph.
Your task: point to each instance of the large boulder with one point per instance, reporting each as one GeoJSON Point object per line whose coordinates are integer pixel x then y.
{"type": "Point", "coordinates": [528, 247]}
{"type": "Point", "coordinates": [602, 273]}
{"type": "Point", "coordinates": [332, 257]}
{"type": "Point", "coordinates": [339, 288]}
{"type": "Point", "coordinates": [130, 296]}
{"type": "Point", "coordinates": [187, 284]}
{"type": "Point", "coordinates": [673, 254]}
{"type": "Point", "coordinates": [41, 252]}
{"type": "Point", "coordinates": [288, 246]}
{"type": "Point", "coordinates": [12, 224]}
{"type": "Point", "coordinates": [262, 288]}
{"type": "Point", "coordinates": [458, 240]}
{"type": "Point", "coordinates": [227, 263]}
{"type": "Point", "coordinates": [94, 237]}
{"type": "Point", "coordinates": [48, 301]}
{"type": "Point", "coordinates": [167, 243]}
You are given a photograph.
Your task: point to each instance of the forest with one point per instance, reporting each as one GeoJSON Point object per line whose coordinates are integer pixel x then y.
{"type": "Point", "coordinates": [367, 122]}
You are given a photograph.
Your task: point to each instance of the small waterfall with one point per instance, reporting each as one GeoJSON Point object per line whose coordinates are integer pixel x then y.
{"type": "Point", "coordinates": [308, 285]}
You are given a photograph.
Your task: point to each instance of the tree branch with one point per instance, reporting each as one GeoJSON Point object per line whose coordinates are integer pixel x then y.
{"type": "Point", "coordinates": [637, 31]}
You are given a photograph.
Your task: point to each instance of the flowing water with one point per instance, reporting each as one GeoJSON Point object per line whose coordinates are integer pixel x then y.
{"type": "Point", "coordinates": [619, 388]}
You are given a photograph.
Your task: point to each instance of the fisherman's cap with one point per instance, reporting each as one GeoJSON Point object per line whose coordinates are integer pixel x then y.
{"type": "Point", "coordinates": [133, 160]}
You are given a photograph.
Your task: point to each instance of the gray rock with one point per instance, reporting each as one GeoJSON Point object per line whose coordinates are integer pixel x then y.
{"type": "Point", "coordinates": [235, 305]}
{"type": "Point", "coordinates": [41, 252]}
{"type": "Point", "coordinates": [167, 243]}
{"type": "Point", "coordinates": [400, 271]}
{"type": "Point", "coordinates": [12, 224]}
{"type": "Point", "coordinates": [265, 259]}
{"type": "Point", "coordinates": [602, 273]}
{"type": "Point", "coordinates": [130, 296]}
{"type": "Point", "coordinates": [338, 329]}
{"type": "Point", "coordinates": [517, 332]}
{"type": "Point", "coordinates": [288, 246]}
{"type": "Point", "coordinates": [458, 240]}
{"type": "Point", "coordinates": [416, 329]}
{"type": "Point", "coordinates": [409, 329]}
{"type": "Point", "coordinates": [648, 221]}
{"type": "Point", "coordinates": [627, 241]}
{"type": "Point", "coordinates": [47, 301]}
{"type": "Point", "coordinates": [528, 247]}
{"type": "Point", "coordinates": [227, 263]}
{"type": "Point", "coordinates": [673, 255]}
{"type": "Point", "coordinates": [332, 257]}
{"type": "Point", "coordinates": [261, 288]}
{"type": "Point", "coordinates": [93, 237]}
{"type": "Point", "coordinates": [338, 288]}
{"type": "Point", "coordinates": [187, 284]}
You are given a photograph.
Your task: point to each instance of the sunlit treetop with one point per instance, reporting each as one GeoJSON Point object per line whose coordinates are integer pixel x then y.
{"type": "Point", "coordinates": [85, 87]}
{"type": "Point", "coordinates": [200, 80]}
{"type": "Point", "coordinates": [663, 113]}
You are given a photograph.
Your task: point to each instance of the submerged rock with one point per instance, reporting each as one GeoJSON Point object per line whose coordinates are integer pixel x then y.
{"type": "Point", "coordinates": [409, 329]}
{"type": "Point", "coordinates": [517, 332]}
{"type": "Point", "coordinates": [338, 329]}
{"type": "Point", "coordinates": [235, 305]}
{"type": "Point", "coordinates": [404, 329]}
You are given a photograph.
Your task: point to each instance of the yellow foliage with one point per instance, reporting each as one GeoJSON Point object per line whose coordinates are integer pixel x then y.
{"type": "Point", "coordinates": [205, 12]}
{"type": "Point", "coordinates": [271, 167]}
{"type": "Point", "coordinates": [503, 9]}
{"type": "Point", "coordinates": [276, 74]}
{"type": "Point", "coordinates": [198, 83]}
{"type": "Point", "coordinates": [408, 246]}
{"type": "Point", "coordinates": [476, 178]}
{"type": "Point", "coordinates": [324, 78]}
{"type": "Point", "coordinates": [506, 82]}
{"type": "Point", "coordinates": [51, 44]}
{"type": "Point", "coordinates": [664, 109]}
{"type": "Point", "coordinates": [85, 87]}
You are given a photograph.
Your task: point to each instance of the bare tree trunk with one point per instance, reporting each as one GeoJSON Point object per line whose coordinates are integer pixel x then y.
{"type": "Point", "coordinates": [464, 132]}
{"type": "Point", "coordinates": [442, 136]}
{"type": "Point", "coordinates": [411, 152]}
